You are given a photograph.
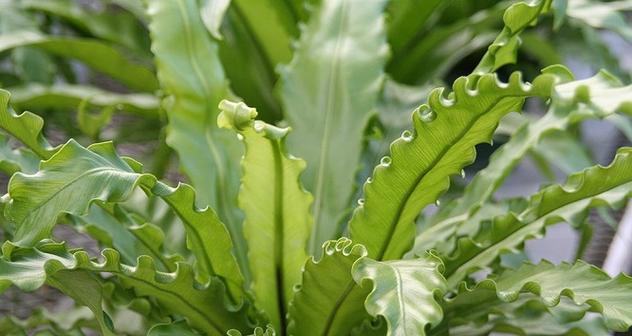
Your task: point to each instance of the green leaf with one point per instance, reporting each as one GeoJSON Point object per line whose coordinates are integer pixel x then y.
{"type": "Point", "coordinates": [76, 176]}
{"type": "Point", "coordinates": [606, 15]}
{"type": "Point", "coordinates": [15, 160]}
{"type": "Point", "coordinates": [595, 97]}
{"type": "Point", "coordinates": [168, 329]}
{"type": "Point", "coordinates": [33, 65]}
{"type": "Point", "coordinates": [342, 307]}
{"type": "Point", "coordinates": [85, 289]}
{"type": "Point", "coordinates": [406, 18]}
{"type": "Point", "coordinates": [119, 231]}
{"type": "Point", "coordinates": [404, 292]}
{"type": "Point", "coordinates": [212, 12]}
{"type": "Point", "coordinates": [64, 323]}
{"type": "Point", "coordinates": [69, 96]}
{"type": "Point", "coordinates": [94, 53]}
{"type": "Point", "coordinates": [580, 282]}
{"type": "Point", "coordinates": [204, 306]}
{"type": "Point", "coordinates": [26, 127]}
{"type": "Point", "coordinates": [442, 143]}
{"type": "Point", "coordinates": [120, 27]}
{"type": "Point", "coordinates": [595, 186]}
{"type": "Point", "coordinates": [564, 150]}
{"type": "Point", "coordinates": [91, 123]}
{"type": "Point", "coordinates": [27, 269]}
{"type": "Point", "coordinates": [190, 71]}
{"type": "Point", "coordinates": [250, 73]}
{"type": "Point", "coordinates": [394, 108]}
{"type": "Point", "coordinates": [443, 46]}
{"type": "Point", "coordinates": [273, 25]}
{"type": "Point", "coordinates": [525, 316]}
{"type": "Point", "coordinates": [268, 331]}
{"type": "Point", "coordinates": [328, 93]}
{"type": "Point", "coordinates": [277, 223]}
{"type": "Point", "coordinates": [504, 49]}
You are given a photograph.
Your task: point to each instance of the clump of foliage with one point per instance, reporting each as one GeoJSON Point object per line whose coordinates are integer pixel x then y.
{"type": "Point", "coordinates": [262, 242]}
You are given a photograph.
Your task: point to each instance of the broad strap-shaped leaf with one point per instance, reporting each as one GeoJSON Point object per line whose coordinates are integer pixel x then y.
{"type": "Point", "coordinates": [446, 131]}
{"type": "Point", "coordinates": [328, 301]}
{"type": "Point", "coordinates": [94, 53]}
{"type": "Point", "coordinates": [595, 97]}
{"type": "Point", "coordinates": [190, 71]}
{"type": "Point", "coordinates": [26, 127]}
{"type": "Point", "coordinates": [204, 306]}
{"type": "Point", "coordinates": [328, 93]}
{"type": "Point", "coordinates": [277, 223]}
{"type": "Point", "coordinates": [580, 282]}
{"type": "Point", "coordinates": [69, 96]}
{"type": "Point", "coordinates": [404, 292]}
{"type": "Point", "coordinates": [504, 49]}
{"type": "Point", "coordinates": [595, 186]}
{"type": "Point", "coordinates": [76, 176]}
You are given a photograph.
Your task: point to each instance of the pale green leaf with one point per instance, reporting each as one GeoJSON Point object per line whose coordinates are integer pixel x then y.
{"type": "Point", "coordinates": [34, 96]}
{"type": "Point", "coordinates": [64, 323]}
{"type": "Point", "coordinates": [595, 186]}
{"type": "Point", "coordinates": [120, 27]}
{"type": "Point", "coordinates": [94, 53]}
{"type": "Point", "coordinates": [212, 12]}
{"type": "Point", "coordinates": [480, 315]}
{"type": "Point", "coordinates": [607, 15]}
{"type": "Point", "coordinates": [328, 92]}
{"type": "Point", "coordinates": [117, 230]}
{"type": "Point", "coordinates": [15, 160]}
{"type": "Point", "coordinates": [190, 71]}
{"type": "Point", "coordinates": [595, 97]}
{"type": "Point", "coordinates": [204, 306]}
{"type": "Point", "coordinates": [26, 127]}
{"type": "Point", "coordinates": [76, 176]}
{"type": "Point", "coordinates": [276, 208]}
{"type": "Point", "coordinates": [580, 282]}
{"type": "Point", "coordinates": [404, 292]}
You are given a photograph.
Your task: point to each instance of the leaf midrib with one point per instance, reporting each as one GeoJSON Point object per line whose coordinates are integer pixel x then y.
{"type": "Point", "coordinates": [402, 206]}
{"type": "Point", "coordinates": [87, 173]}
{"type": "Point", "coordinates": [330, 102]}
{"type": "Point", "coordinates": [185, 302]}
